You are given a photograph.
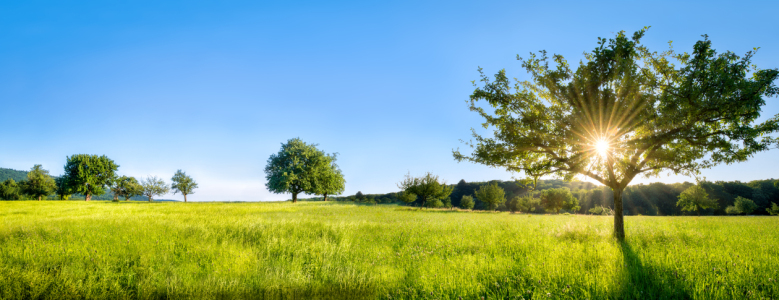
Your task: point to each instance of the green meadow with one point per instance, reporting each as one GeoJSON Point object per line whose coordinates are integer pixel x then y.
{"type": "Point", "coordinates": [317, 250]}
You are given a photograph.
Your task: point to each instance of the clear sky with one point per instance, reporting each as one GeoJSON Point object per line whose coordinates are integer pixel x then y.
{"type": "Point", "coordinates": [214, 88]}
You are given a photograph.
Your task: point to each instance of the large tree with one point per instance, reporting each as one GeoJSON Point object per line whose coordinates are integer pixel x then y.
{"type": "Point", "coordinates": [329, 180]}
{"type": "Point", "coordinates": [184, 184]}
{"type": "Point", "coordinates": [89, 174]}
{"type": "Point", "coordinates": [154, 186]}
{"type": "Point", "coordinates": [623, 112]}
{"type": "Point", "coordinates": [696, 199]}
{"type": "Point", "coordinates": [39, 183]}
{"type": "Point", "coordinates": [294, 168]}
{"type": "Point", "coordinates": [427, 187]}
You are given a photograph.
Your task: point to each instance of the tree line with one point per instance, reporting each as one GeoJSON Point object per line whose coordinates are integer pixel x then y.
{"type": "Point", "coordinates": [91, 175]}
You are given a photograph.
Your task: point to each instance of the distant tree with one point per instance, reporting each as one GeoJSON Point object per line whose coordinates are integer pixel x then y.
{"type": "Point", "coordinates": [744, 205]}
{"type": "Point", "coordinates": [513, 204]}
{"type": "Point", "coordinates": [491, 194]}
{"type": "Point", "coordinates": [527, 203]}
{"type": "Point", "coordinates": [63, 188]}
{"type": "Point", "coordinates": [39, 183]}
{"type": "Point", "coordinates": [89, 174]}
{"type": "Point", "coordinates": [557, 199]}
{"type": "Point", "coordinates": [181, 183]}
{"type": "Point", "coordinates": [695, 199]}
{"type": "Point", "coordinates": [127, 187]}
{"type": "Point", "coordinates": [434, 203]}
{"type": "Point", "coordinates": [329, 180]}
{"type": "Point", "coordinates": [294, 168]}
{"type": "Point", "coordinates": [154, 186]}
{"type": "Point", "coordinates": [624, 111]}
{"type": "Point", "coordinates": [466, 202]}
{"type": "Point", "coordinates": [447, 202]}
{"type": "Point", "coordinates": [10, 190]}
{"type": "Point", "coordinates": [773, 210]}
{"type": "Point", "coordinates": [359, 196]}
{"type": "Point", "coordinates": [425, 188]}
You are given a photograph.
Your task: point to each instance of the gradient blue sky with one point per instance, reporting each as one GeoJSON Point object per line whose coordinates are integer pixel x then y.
{"type": "Point", "coordinates": [214, 88]}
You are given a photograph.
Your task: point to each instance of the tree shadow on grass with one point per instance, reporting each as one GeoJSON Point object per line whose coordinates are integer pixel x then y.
{"type": "Point", "coordinates": [643, 281]}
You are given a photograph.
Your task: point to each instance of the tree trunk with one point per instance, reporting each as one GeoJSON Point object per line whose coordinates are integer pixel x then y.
{"type": "Point", "coordinates": [116, 197]}
{"type": "Point", "coordinates": [294, 197]}
{"type": "Point", "coordinates": [87, 197]}
{"type": "Point", "coordinates": [619, 222]}
{"type": "Point", "coordinates": [150, 198]}
{"type": "Point", "coordinates": [39, 197]}
{"type": "Point", "coordinates": [185, 198]}
{"type": "Point", "coordinates": [325, 197]}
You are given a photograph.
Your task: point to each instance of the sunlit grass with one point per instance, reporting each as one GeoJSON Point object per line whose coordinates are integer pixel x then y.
{"type": "Point", "coordinates": [330, 250]}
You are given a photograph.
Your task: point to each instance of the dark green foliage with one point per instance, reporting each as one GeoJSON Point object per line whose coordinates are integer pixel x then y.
{"type": "Point", "coordinates": [426, 188]}
{"type": "Point", "coordinates": [64, 190]}
{"type": "Point", "coordinates": [16, 175]}
{"type": "Point", "coordinates": [89, 174]}
{"type": "Point", "coordinates": [39, 183]}
{"type": "Point", "coordinates": [329, 179]}
{"type": "Point", "coordinates": [554, 200]}
{"type": "Point", "coordinates": [296, 168]}
{"type": "Point", "coordinates": [10, 190]}
{"type": "Point", "coordinates": [491, 194]}
{"type": "Point", "coordinates": [773, 210]}
{"type": "Point", "coordinates": [744, 205]}
{"type": "Point", "coordinates": [127, 187]}
{"type": "Point", "coordinates": [695, 199]}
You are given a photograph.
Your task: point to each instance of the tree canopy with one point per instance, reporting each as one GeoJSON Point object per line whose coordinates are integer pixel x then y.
{"type": "Point", "coordinates": [154, 186]}
{"type": "Point", "coordinates": [695, 199]}
{"type": "Point", "coordinates": [491, 194]}
{"type": "Point", "coordinates": [425, 188]}
{"type": "Point", "coordinates": [557, 199]}
{"type": "Point", "coordinates": [183, 184]}
{"type": "Point", "coordinates": [329, 180]}
{"type": "Point", "coordinates": [39, 183]}
{"type": "Point", "coordinates": [295, 168]}
{"type": "Point", "coordinates": [89, 174]}
{"type": "Point", "coordinates": [127, 187]}
{"type": "Point", "coordinates": [624, 111]}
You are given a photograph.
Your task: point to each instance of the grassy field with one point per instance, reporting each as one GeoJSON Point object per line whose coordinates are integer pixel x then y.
{"type": "Point", "coordinates": [51, 250]}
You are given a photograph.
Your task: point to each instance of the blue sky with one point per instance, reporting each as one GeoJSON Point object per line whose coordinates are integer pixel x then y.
{"type": "Point", "coordinates": [214, 88]}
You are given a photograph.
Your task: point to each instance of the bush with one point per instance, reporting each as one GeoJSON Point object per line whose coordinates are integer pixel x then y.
{"type": "Point", "coordinates": [466, 202]}
{"type": "Point", "coordinates": [731, 210]}
{"type": "Point", "coordinates": [434, 203]}
{"type": "Point", "coordinates": [600, 210]}
{"type": "Point", "coordinates": [773, 210]}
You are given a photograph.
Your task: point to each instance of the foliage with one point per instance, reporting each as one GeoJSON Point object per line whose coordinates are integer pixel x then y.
{"type": "Point", "coordinates": [39, 183]}
{"type": "Point", "coordinates": [127, 187]}
{"type": "Point", "coordinates": [64, 190]}
{"type": "Point", "coordinates": [182, 183]}
{"type": "Point", "coordinates": [600, 210]}
{"type": "Point", "coordinates": [744, 205]}
{"type": "Point", "coordinates": [295, 168]}
{"type": "Point", "coordinates": [447, 202]}
{"type": "Point", "coordinates": [408, 197]}
{"type": "Point", "coordinates": [154, 186]}
{"type": "Point", "coordinates": [89, 174]}
{"type": "Point", "coordinates": [774, 210]}
{"type": "Point", "coordinates": [556, 199]}
{"type": "Point", "coordinates": [695, 198]}
{"type": "Point", "coordinates": [16, 175]}
{"type": "Point", "coordinates": [625, 111]}
{"type": "Point", "coordinates": [491, 194]}
{"type": "Point", "coordinates": [10, 190]}
{"type": "Point", "coordinates": [265, 250]}
{"type": "Point", "coordinates": [425, 188]}
{"type": "Point", "coordinates": [434, 203]}
{"type": "Point", "coordinates": [329, 180]}
{"type": "Point", "coordinates": [466, 202]}
{"type": "Point", "coordinates": [732, 210]}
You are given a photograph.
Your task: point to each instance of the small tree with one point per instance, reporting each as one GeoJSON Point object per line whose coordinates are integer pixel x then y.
{"type": "Point", "coordinates": [447, 202]}
{"type": "Point", "coordinates": [183, 184]}
{"type": "Point", "coordinates": [527, 203]}
{"type": "Point", "coordinates": [89, 174]}
{"type": "Point", "coordinates": [63, 188]}
{"type": "Point", "coordinates": [407, 197]}
{"type": "Point", "coordinates": [425, 188]}
{"type": "Point", "coordinates": [491, 194]}
{"type": "Point", "coordinates": [557, 199]}
{"type": "Point", "coordinates": [695, 199]}
{"type": "Point", "coordinates": [128, 187]}
{"type": "Point", "coordinates": [39, 183]}
{"type": "Point", "coordinates": [294, 168]}
{"type": "Point", "coordinates": [466, 202]}
{"type": "Point", "coordinates": [744, 205]}
{"type": "Point", "coordinates": [154, 186]}
{"type": "Point", "coordinates": [731, 210]}
{"type": "Point", "coordinates": [329, 179]}
{"type": "Point", "coordinates": [773, 210]}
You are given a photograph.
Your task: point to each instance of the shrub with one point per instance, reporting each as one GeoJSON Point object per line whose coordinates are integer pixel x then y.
{"type": "Point", "coordinates": [731, 210]}
{"type": "Point", "coordinates": [773, 210]}
{"type": "Point", "coordinates": [434, 203]}
{"type": "Point", "coordinates": [466, 202]}
{"type": "Point", "coordinates": [744, 205]}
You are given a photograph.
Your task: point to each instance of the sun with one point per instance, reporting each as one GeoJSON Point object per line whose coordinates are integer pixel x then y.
{"type": "Point", "coordinates": [602, 147]}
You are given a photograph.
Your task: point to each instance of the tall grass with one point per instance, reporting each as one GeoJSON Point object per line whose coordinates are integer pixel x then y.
{"type": "Point", "coordinates": [53, 250]}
